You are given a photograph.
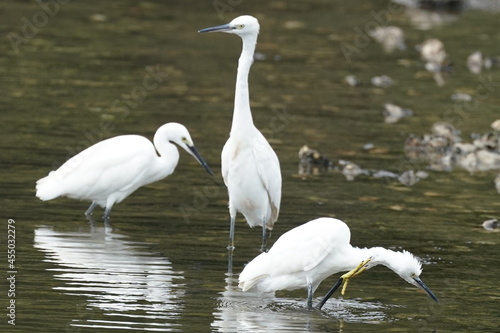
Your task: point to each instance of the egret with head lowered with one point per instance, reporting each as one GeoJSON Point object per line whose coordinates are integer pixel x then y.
{"type": "Point", "coordinates": [250, 167]}
{"type": "Point", "coordinates": [109, 171]}
{"type": "Point", "coordinates": [306, 255]}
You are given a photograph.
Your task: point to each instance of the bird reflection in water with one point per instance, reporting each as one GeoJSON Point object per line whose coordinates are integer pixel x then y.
{"type": "Point", "coordinates": [118, 277]}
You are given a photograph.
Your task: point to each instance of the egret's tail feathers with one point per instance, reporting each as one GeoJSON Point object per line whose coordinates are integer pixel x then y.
{"type": "Point", "coordinates": [48, 188]}
{"type": "Point", "coordinates": [246, 285]}
{"type": "Point", "coordinates": [254, 272]}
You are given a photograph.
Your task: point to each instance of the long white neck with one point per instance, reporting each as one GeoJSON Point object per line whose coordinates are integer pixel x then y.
{"type": "Point", "coordinates": [169, 155]}
{"type": "Point", "coordinates": [382, 256]}
{"type": "Point", "coordinates": [242, 115]}
{"type": "Point", "coordinates": [394, 260]}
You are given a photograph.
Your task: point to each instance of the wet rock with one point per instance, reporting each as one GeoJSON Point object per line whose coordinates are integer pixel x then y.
{"type": "Point", "coordinates": [432, 148]}
{"type": "Point", "coordinates": [447, 131]}
{"type": "Point", "coordinates": [463, 148]}
{"type": "Point", "coordinates": [444, 150]}
{"type": "Point", "coordinates": [464, 156]}
{"type": "Point", "coordinates": [390, 37]}
{"type": "Point", "coordinates": [294, 25]}
{"type": "Point", "coordinates": [352, 170]}
{"type": "Point", "coordinates": [461, 97]}
{"type": "Point", "coordinates": [422, 174]}
{"type": "Point", "coordinates": [487, 160]}
{"type": "Point", "coordinates": [435, 57]}
{"type": "Point", "coordinates": [432, 51]}
{"type": "Point", "coordinates": [312, 162]}
{"type": "Point", "coordinates": [393, 113]}
{"type": "Point", "coordinates": [385, 174]}
{"type": "Point", "coordinates": [259, 56]}
{"type": "Point", "coordinates": [408, 178]}
{"type": "Point", "coordinates": [368, 146]}
{"type": "Point", "coordinates": [489, 63]}
{"type": "Point", "coordinates": [382, 81]}
{"type": "Point", "coordinates": [424, 19]}
{"type": "Point", "coordinates": [353, 81]}
{"type": "Point", "coordinates": [496, 125]}
{"type": "Point", "coordinates": [437, 68]}
{"type": "Point", "coordinates": [497, 183]}
{"type": "Point", "coordinates": [491, 225]}
{"type": "Point", "coordinates": [475, 62]}
{"type": "Point", "coordinates": [98, 18]}
{"type": "Point", "coordinates": [488, 141]}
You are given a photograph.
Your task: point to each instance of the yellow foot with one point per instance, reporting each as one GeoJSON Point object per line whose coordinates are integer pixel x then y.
{"type": "Point", "coordinates": [352, 273]}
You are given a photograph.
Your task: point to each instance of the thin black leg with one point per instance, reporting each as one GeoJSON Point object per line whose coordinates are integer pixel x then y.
{"type": "Point", "coordinates": [263, 248]}
{"type": "Point", "coordinates": [329, 294]}
{"type": "Point", "coordinates": [107, 213]}
{"type": "Point", "coordinates": [88, 212]}
{"type": "Point", "coordinates": [230, 262]}
{"type": "Point", "coordinates": [309, 296]}
{"type": "Point", "coordinates": [230, 247]}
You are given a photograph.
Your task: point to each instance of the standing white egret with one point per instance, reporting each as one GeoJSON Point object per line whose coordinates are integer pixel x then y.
{"type": "Point", "coordinates": [250, 167]}
{"type": "Point", "coordinates": [109, 171]}
{"type": "Point", "coordinates": [306, 255]}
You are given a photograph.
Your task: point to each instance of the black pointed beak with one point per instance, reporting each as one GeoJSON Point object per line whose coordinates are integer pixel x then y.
{"type": "Point", "coordinates": [219, 28]}
{"type": "Point", "coordinates": [423, 286]}
{"type": "Point", "coordinates": [200, 159]}
{"type": "Point", "coordinates": [329, 294]}
{"type": "Point", "coordinates": [419, 282]}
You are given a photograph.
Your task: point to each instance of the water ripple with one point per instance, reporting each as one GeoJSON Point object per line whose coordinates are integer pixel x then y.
{"type": "Point", "coordinates": [256, 312]}
{"type": "Point", "coordinates": [120, 279]}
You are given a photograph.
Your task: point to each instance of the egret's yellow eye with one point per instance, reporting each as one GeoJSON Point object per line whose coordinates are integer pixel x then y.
{"type": "Point", "coordinates": [184, 139]}
{"type": "Point", "coordinates": [240, 26]}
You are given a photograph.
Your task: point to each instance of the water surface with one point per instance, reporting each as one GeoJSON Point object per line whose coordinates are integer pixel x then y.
{"type": "Point", "coordinates": [161, 265]}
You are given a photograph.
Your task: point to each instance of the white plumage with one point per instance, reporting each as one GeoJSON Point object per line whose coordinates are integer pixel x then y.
{"type": "Point", "coordinates": [250, 167]}
{"type": "Point", "coordinates": [109, 171]}
{"type": "Point", "coordinates": [306, 255]}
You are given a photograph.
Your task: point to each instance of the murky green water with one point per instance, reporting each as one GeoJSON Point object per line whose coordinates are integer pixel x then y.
{"type": "Point", "coordinates": [78, 77]}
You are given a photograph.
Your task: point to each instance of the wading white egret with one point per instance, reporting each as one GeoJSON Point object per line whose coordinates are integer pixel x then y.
{"type": "Point", "coordinates": [109, 171]}
{"type": "Point", "coordinates": [306, 255]}
{"type": "Point", "coordinates": [250, 167]}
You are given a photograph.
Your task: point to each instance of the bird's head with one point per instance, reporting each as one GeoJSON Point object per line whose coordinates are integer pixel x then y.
{"type": "Point", "coordinates": [405, 264]}
{"type": "Point", "coordinates": [178, 134]}
{"type": "Point", "coordinates": [242, 25]}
